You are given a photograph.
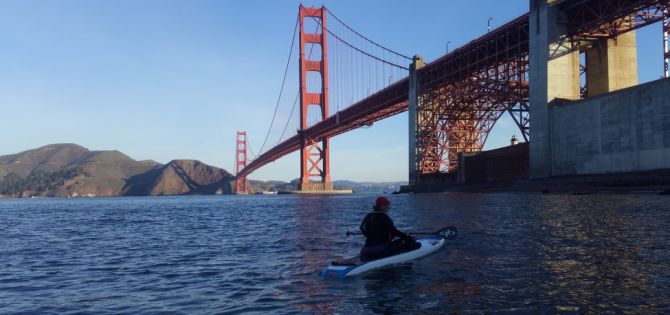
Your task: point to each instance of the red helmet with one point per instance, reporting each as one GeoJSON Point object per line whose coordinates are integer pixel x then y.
{"type": "Point", "coordinates": [381, 202]}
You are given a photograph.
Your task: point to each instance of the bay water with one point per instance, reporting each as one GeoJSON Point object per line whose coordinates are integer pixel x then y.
{"type": "Point", "coordinates": [516, 253]}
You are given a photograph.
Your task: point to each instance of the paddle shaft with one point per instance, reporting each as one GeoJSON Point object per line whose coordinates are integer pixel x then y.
{"type": "Point", "coordinates": [449, 232]}
{"type": "Point", "coordinates": [411, 233]}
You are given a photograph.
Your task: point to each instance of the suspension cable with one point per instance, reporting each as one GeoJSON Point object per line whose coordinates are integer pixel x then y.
{"type": "Point", "coordinates": [367, 39]}
{"type": "Point", "coordinates": [289, 118]}
{"type": "Point", "coordinates": [281, 91]}
{"type": "Point", "coordinates": [319, 24]}
{"type": "Point", "coordinates": [309, 56]}
{"type": "Point", "coordinates": [357, 49]}
{"type": "Point", "coordinates": [252, 151]}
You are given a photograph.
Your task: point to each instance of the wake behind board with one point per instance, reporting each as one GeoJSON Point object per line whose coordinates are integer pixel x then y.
{"type": "Point", "coordinates": [354, 265]}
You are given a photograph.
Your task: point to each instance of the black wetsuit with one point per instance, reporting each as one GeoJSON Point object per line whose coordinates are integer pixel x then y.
{"type": "Point", "coordinates": [379, 232]}
{"type": "Point", "coordinates": [378, 229]}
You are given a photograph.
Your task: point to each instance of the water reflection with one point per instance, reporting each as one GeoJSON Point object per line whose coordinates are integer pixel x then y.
{"type": "Point", "coordinates": [386, 290]}
{"type": "Point", "coordinates": [597, 259]}
{"type": "Point", "coordinates": [516, 253]}
{"type": "Point", "coordinates": [318, 240]}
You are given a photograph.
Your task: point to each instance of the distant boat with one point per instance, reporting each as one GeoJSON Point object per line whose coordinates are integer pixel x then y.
{"type": "Point", "coordinates": [76, 195]}
{"type": "Point", "coordinates": [265, 192]}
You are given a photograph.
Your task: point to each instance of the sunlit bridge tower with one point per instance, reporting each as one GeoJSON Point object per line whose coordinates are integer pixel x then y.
{"type": "Point", "coordinates": [241, 162]}
{"type": "Point", "coordinates": [666, 44]}
{"type": "Point", "coordinates": [314, 155]}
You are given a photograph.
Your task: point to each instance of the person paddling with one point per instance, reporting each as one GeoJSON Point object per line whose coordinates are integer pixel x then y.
{"type": "Point", "coordinates": [380, 232]}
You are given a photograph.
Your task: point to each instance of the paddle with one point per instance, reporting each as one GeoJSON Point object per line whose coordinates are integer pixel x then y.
{"type": "Point", "coordinates": [449, 232]}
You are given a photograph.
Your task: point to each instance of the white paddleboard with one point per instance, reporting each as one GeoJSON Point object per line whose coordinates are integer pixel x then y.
{"type": "Point", "coordinates": [353, 266]}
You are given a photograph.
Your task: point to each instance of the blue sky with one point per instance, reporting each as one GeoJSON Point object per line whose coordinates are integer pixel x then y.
{"type": "Point", "coordinates": [161, 79]}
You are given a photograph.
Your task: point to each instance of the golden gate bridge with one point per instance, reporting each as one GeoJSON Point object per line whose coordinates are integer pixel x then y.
{"type": "Point", "coordinates": [347, 81]}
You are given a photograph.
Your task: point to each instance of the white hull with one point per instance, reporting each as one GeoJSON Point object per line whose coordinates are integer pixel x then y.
{"type": "Point", "coordinates": [428, 246]}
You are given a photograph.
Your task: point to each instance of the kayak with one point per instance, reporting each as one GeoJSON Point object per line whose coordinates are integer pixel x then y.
{"type": "Point", "coordinates": [354, 265]}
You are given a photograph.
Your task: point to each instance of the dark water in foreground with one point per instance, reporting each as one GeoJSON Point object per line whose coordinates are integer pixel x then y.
{"type": "Point", "coordinates": [516, 253]}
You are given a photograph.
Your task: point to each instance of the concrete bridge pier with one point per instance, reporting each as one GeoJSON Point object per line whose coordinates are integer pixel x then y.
{"type": "Point", "coordinates": [550, 77]}
{"type": "Point", "coordinates": [413, 100]}
{"type": "Point", "coordinates": [611, 65]}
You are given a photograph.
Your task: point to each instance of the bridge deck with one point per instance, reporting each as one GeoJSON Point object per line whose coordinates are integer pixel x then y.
{"type": "Point", "coordinates": [498, 46]}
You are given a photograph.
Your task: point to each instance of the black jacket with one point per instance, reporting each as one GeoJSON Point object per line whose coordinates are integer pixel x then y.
{"type": "Point", "coordinates": [378, 229]}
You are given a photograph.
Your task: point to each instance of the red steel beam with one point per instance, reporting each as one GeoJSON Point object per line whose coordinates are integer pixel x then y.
{"type": "Point", "coordinates": [241, 162]}
{"type": "Point", "coordinates": [385, 103]}
{"type": "Point", "coordinates": [490, 49]}
{"type": "Point", "coordinates": [591, 20]}
{"type": "Point", "coordinates": [604, 18]}
{"type": "Point", "coordinates": [315, 157]}
{"type": "Point", "coordinates": [393, 99]}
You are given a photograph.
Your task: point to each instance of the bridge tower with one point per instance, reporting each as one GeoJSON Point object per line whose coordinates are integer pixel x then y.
{"type": "Point", "coordinates": [666, 44]}
{"type": "Point", "coordinates": [314, 154]}
{"type": "Point", "coordinates": [241, 162]}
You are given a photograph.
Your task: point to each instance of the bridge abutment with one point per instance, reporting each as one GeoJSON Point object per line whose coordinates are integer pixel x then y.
{"type": "Point", "coordinates": [553, 73]}
{"type": "Point", "coordinates": [619, 127]}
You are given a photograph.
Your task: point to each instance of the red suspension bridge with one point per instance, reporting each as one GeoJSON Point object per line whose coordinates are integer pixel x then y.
{"type": "Point", "coordinates": [347, 81]}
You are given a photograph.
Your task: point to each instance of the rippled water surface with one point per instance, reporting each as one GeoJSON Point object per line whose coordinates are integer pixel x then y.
{"type": "Point", "coordinates": [516, 253]}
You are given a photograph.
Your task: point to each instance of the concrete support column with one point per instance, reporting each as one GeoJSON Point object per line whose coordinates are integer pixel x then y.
{"type": "Point", "coordinates": [413, 95]}
{"type": "Point", "coordinates": [611, 64]}
{"type": "Point", "coordinates": [666, 44]}
{"type": "Point", "coordinates": [461, 171]}
{"type": "Point", "coordinates": [554, 73]}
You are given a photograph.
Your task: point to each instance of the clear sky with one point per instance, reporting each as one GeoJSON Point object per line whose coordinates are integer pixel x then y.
{"type": "Point", "coordinates": [165, 79]}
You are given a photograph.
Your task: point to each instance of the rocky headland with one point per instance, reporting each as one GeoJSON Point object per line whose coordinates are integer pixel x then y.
{"type": "Point", "coordinates": [70, 170]}
{"type": "Point", "coordinates": [67, 170]}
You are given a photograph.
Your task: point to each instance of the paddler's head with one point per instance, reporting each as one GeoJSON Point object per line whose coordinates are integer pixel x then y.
{"type": "Point", "coordinates": [382, 204]}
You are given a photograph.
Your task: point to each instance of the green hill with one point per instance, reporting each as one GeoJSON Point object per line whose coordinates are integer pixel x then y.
{"type": "Point", "coordinates": [49, 158]}
{"type": "Point", "coordinates": [61, 170]}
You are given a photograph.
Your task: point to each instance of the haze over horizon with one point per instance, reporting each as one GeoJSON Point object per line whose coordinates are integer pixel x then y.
{"type": "Point", "coordinates": [163, 80]}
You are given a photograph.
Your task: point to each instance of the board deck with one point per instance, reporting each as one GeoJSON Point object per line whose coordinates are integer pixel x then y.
{"type": "Point", "coordinates": [354, 265]}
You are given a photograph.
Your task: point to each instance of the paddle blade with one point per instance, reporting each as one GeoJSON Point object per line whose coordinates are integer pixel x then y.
{"type": "Point", "coordinates": [353, 233]}
{"type": "Point", "coordinates": [449, 232]}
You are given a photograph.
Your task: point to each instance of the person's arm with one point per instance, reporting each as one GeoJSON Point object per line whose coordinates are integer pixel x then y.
{"type": "Point", "coordinates": [363, 225]}
{"type": "Point", "coordinates": [388, 223]}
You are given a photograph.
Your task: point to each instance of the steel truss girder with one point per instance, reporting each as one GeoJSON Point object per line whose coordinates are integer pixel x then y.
{"type": "Point", "coordinates": [458, 117]}
{"type": "Point", "coordinates": [465, 93]}
{"type": "Point", "coordinates": [315, 157]}
{"type": "Point", "coordinates": [385, 103]}
{"type": "Point", "coordinates": [589, 21]}
{"type": "Point", "coordinates": [502, 44]}
{"type": "Point", "coordinates": [608, 19]}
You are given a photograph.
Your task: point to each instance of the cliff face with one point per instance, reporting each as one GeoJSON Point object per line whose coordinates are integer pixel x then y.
{"type": "Point", "coordinates": [181, 177]}
{"type": "Point", "coordinates": [61, 170]}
